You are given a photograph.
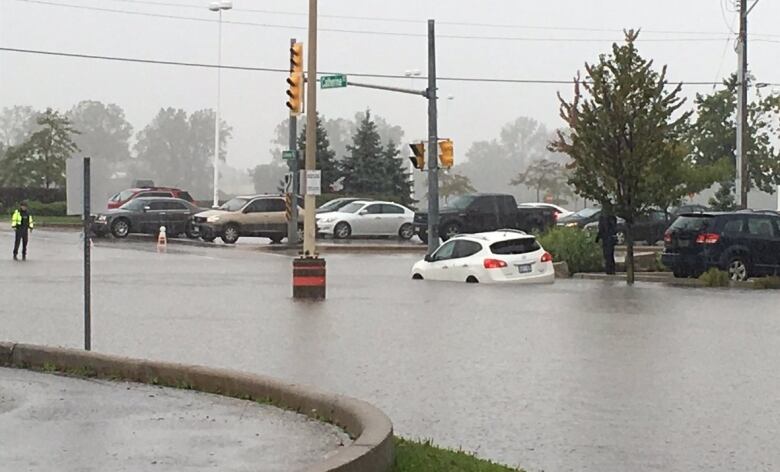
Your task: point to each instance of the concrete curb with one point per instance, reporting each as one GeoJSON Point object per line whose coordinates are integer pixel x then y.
{"type": "Point", "coordinates": [372, 450]}
{"type": "Point", "coordinates": [665, 278]}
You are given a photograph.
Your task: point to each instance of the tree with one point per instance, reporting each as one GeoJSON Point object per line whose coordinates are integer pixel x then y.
{"type": "Point", "coordinates": [371, 169]}
{"type": "Point", "coordinates": [17, 124]}
{"type": "Point", "coordinates": [545, 175]}
{"type": "Point", "coordinates": [326, 158]}
{"type": "Point", "coordinates": [714, 139]}
{"type": "Point", "coordinates": [178, 150]}
{"type": "Point", "coordinates": [41, 159]}
{"type": "Point", "coordinates": [266, 178]}
{"type": "Point", "coordinates": [105, 132]}
{"type": "Point", "coordinates": [452, 184]}
{"type": "Point", "coordinates": [624, 136]}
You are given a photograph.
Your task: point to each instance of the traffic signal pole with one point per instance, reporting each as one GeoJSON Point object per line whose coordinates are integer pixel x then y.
{"type": "Point", "coordinates": [292, 225]}
{"type": "Point", "coordinates": [433, 139]}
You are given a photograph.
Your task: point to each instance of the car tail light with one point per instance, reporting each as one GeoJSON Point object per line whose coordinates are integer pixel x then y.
{"type": "Point", "coordinates": [667, 236]}
{"type": "Point", "coordinates": [707, 238]}
{"type": "Point", "coordinates": [546, 257]}
{"type": "Point", "coordinates": [494, 264]}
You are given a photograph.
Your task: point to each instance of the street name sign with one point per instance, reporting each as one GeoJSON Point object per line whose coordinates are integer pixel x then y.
{"type": "Point", "coordinates": [333, 81]}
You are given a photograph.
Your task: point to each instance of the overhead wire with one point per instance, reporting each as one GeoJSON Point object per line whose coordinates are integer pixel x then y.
{"type": "Point", "coordinates": [287, 70]}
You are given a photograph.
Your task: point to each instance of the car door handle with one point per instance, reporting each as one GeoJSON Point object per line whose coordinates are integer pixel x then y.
{"type": "Point", "coordinates": [465, 265]}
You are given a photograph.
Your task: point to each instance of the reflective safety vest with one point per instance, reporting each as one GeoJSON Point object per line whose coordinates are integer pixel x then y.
{"type": "Point", "coordinates": [16, 220]}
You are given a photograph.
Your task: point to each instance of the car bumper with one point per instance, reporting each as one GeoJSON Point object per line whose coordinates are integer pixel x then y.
{"type": "Point", "coordinates": [207, 229]}
{"type": "Point", "coordinates": [696, 262]}
{"type": "Point", "coordinates": [542, 273]}
{"type": "Point", "coordinates": [100, 226]}
{"type": "Point", "coordinates": [325, 228]}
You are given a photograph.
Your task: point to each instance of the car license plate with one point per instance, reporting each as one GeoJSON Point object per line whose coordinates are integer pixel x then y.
{"type": "Point", "coordinates": [524, 268]}
{"type": "Point", "coordinates": [683, 243]}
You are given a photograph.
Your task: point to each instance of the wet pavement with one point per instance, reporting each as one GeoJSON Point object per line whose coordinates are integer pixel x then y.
{"type": "Point", "coordinates": [56, 423]}
{"type": "Point", "coordinates": [580, 375]}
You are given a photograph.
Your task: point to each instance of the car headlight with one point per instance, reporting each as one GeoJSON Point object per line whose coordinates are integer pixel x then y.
{"type": "Point", "coordinates": [571, 225]}
{"type": "Point", "coordinates": [102, 218]}
{"type": "Point", "coordinates": [329, 219]}
{"type": "Point", "coordinates": [212, 219]}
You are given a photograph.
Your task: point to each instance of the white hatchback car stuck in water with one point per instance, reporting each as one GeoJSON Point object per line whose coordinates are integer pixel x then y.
{"type": "Point", "coordinates": [502, 256]}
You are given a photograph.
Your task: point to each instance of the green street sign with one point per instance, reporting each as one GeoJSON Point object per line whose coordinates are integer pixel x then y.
{"type": "Point", "coordinates": [333, 81]}
{"type": "Point", "coordinates": [288, 155]}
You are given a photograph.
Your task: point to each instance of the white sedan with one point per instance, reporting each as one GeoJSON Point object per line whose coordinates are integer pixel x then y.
{"type": "Point", "coordinates": [367, 218]}
{"type": "Point", "coordinates": [495, 257]}
{"type": "Point", "coordinates": [561, 212]}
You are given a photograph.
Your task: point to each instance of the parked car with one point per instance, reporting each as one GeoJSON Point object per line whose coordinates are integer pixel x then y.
{"type": "Point", "coordinates": [146, 215]}
{"type": "Point", "coordinates": [649, 227]}
{"type": "Point", "coordinates": [481, 212]}
{"type": "Point", "coordinates": [503, 256]}
{"type": "Point", "coordinates": [674, 212]}
{"type": "Point", "coordinates": [581, 218]}
{"type": "Point", "coordinates": [743, 243]}
{"type": "Point", "coordinates": [367, 218]}
{"type": "Point", "coordinates": [119, 199]}
{"type": "Point", "coordinates": [560, 212]}
{"type": "Point", "coordinates": [337, 203]}
{"type": "Point", "coordinates": [262, 216]}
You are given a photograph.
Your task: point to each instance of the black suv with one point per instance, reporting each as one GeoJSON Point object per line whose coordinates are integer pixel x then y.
{"type": "Point", "coordinates": [744, 243]}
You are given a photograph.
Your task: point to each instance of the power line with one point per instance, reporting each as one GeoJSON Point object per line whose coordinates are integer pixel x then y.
{"type": "Point", "coordinates": [287, 70]}
{"type": "Point", "coordinates": [363, 32]}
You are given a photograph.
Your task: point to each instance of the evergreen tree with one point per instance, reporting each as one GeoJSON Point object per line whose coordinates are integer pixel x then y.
{"type": "Point", "coordinates": [372, 169]}
{"type": "Point", "coordinates": [326, 157]}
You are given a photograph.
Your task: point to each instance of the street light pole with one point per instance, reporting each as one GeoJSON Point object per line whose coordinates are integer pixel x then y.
{"type": "Point", "coordinates": [218, 7]}
{"type": "Point", "coordinates": [309, 222]}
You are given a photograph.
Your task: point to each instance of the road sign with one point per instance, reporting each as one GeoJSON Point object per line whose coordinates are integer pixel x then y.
{"type": "Point", "coordinates": [313, 181]}
{"type": "Point", "coordinates": [288, 155]}
{"type": "Point", "coordinates": [333, 81]}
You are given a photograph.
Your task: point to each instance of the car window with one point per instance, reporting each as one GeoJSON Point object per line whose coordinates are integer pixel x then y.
{"type": "Point", "coordinates": [156, 206]}
{"type": "Point", "coordinates": [515, 246]}
{"type": "Point", "coordinates": [658, 216]}
{"type": "Point", "coordinates": [134, 205]}
{"type": "Point", "coordinates": [125, 195]}
{"type": "Point", "coordinates": [733, 226]}
{"type": "Point", "coordinates": [506, 204]}
{"type": "Point", "coordinates": [234, 204]}
{"type": "Point", "coordinates": [761, 227]}
{"type": "Point", "coordinates": [392, 209]}
{"type": "Point", "coordinates": [276, 204]}
{"type": "Point", "coordinates": [373, 209]}
{"type": "Point", "coordinates": [485, 205]}
{"type": "Point", "coordinates": [257, 206]}
{"type": "Point", "coordinates": [465, 249]}
{"type": "Point", "coordinates": [155, 194]}
{"type": "Point", "coordinates": [587, 212]}
{"type": "Point", "coordinates": [445, 251]}
{"type": "Point", "coordinates": [176, 206]}
{"type": "Point", "coordinates": [691, 223]}
{"type": "Point", "coordinates": [185, 196]}
{"type": "Point", "coordinates": [351, 207]}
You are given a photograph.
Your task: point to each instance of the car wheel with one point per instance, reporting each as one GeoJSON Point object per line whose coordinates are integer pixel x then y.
{"type": "Point", "coordinates": [406, 231]}
{"type": "Point", "coordinates": [472, 280]}
{"type": "Point", "coordinates": [230, 234]}
{"type": "Point", "coordinates": [417, 277]}
{"type": "Point", "coordinates": [276, 239]}
{"type": "Point", "coordinates": [451, 230]}
{"type": "Point", "coordinates": [423, 235]}
{"type": "Point", "coordinates": [342, 230]}
{"type": "Point", "coordinates": [738, 269]}
{"type": "Point", "coordinates": [620, 237]}
{"type": "Point", "coordinates": [192, 231]}
{"type": "Point", "coordinates": [120, 228]}
{"type": "Point", "coordinates": [681, 272]}
{"type": "Point", "coordinates": [209, 238]}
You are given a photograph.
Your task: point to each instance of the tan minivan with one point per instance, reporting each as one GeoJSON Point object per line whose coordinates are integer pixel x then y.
{"type": "Point", "coordinates": [257, 216]}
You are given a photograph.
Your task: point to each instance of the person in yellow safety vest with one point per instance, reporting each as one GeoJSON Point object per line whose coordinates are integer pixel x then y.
{"type": "Point", "coordinates": [22, 223]}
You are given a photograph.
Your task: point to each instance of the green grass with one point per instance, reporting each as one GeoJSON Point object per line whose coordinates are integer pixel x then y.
{"type": "Point", "coordinates": [414, 456]}
{"type": "Point", "coordinates": [57, 220]}
{"type": "Point", "coordinates": [715, 278]}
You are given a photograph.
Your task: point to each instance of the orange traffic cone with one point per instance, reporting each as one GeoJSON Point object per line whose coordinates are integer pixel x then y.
{"type": "Point", "coordinates": [162, 239]}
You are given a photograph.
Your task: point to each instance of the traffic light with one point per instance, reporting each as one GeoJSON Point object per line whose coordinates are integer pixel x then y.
{"type": "Point", "coordinates": [445, 153]}
{"type": "Point", "coordinates": [295, 81]}
{"type": "Point", "coordinates": [418, 160]}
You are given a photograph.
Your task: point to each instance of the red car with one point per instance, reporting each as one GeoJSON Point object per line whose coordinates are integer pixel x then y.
{"type": "Point", "coordinates": [125, 196]}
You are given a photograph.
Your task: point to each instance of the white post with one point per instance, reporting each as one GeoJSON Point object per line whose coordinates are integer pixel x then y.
{"type": "Point", "coordinates": [217, 119]}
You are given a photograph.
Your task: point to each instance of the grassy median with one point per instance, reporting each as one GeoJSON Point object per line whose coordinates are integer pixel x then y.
{"type": "Point", "coordinates": [44, 221]}
{"type": "Point", "coordinates": [414, 456]}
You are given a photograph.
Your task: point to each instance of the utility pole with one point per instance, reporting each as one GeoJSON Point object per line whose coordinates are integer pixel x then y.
{"type": "Point", "coordinates": [292, 225]}
{"type": "Point", "coordinates": [433, 141]}
{"type": "Point", "coordinates": [742, 180]}
{"type": "Point", "coordinates": [309, 222]}
{"type": "Point", "coordinates": [87, 220]}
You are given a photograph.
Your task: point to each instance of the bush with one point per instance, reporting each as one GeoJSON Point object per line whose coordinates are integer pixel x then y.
{"type": "Point", "coordinates": [772, 282]}
{"type": "Point", "coordinates": [578, 248]}
{"type": "Point", "coordinates": [43, 209]}
{"type": "Point", "coordinates": [715, 278]}
{"type": "Point", "coordinates": [11, 196]}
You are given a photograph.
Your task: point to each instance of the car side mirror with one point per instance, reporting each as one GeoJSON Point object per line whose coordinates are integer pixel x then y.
{"type": "Point", "coordinates": [428, 258]}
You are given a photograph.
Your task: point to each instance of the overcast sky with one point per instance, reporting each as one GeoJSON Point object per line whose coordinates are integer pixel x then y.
{"type": "Point", "coordinates": [691, 36]}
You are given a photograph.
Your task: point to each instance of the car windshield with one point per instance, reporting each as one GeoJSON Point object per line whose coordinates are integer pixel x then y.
{"type": "Point", "coordinates": [587, 212]}
{"type": "Point", "coordinates": [333, 205]}
{"type": "Point", "coordinates": [691, 223]}
{"type": "Point", "coordinates": [134, 205]}
{"type": "Point", "coordinates": [462, 202]}
{"type": "Point", "coordinates": [353, 207]}
{"type": "Point", "coordinates": [515, 246]}
{"type": "Point", "coordinates": [122, 196]}
{"type": "Point", "coordinates": [234, 204]}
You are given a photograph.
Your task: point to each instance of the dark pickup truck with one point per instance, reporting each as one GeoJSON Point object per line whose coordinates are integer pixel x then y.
{"type": "Point", "coordinates": [480, 212]}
